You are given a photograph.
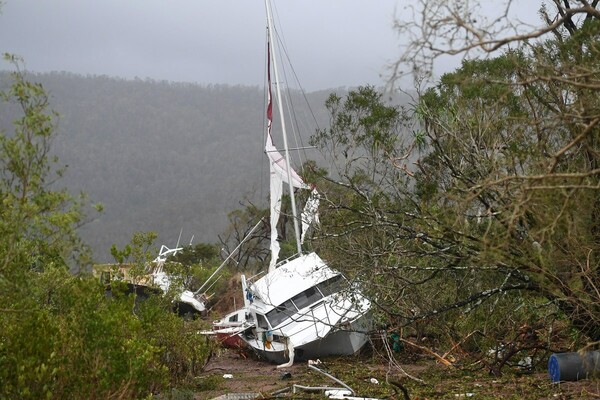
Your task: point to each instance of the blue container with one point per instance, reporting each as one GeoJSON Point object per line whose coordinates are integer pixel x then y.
{"type": "Point", "coordinates": [573, 366]}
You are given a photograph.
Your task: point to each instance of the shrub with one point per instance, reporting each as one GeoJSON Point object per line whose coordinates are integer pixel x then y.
{"type": "Point", "coordinates": [69, 340]}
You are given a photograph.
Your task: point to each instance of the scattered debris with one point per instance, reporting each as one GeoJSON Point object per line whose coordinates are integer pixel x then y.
{"type": "Point", "coordinates": [344, 393]}
{"type": "Point", "coordinates": [286, 376]}
{"type": "Point", "coordinates": [228, 376]}
{"type": "Point", "coordinates": [337, 393]}
{"type": "Point", "coordinates": [525, 363]}
{"type": "Point", "coordinates": [440, 359]}
{"type": "Point", "coordinates": [237, 396]}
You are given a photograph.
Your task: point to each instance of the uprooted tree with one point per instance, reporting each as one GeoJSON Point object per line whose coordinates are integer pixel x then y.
{"type": "Point", "coordinates": [481, 212]}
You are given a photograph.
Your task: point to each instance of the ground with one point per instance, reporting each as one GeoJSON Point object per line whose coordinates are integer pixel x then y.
{"type": "Point", "coordinates": [373, 374]}
{"type": "Point", "coordinates": [369, 375]}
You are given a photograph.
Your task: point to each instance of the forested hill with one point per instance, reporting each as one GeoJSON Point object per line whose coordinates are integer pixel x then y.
{"type": "Point", "coordinates": [159, 156]}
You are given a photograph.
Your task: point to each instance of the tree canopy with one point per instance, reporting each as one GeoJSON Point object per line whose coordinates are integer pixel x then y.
{"type": "Point", "coordinates": [481, 202]}
{"type": "Point", "coordinates": [52, 322]}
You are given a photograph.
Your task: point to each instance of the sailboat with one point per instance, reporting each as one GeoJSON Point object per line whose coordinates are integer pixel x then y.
{"type": "Point", "coordinates": [154, 280]}
{"type": "Point", "coordinates": [187, 301]}
{"type": "Point", "coordinates": [301, 308]}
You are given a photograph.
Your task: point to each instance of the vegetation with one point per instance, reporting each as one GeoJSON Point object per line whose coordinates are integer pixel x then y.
{"type": "Point", "coordinates": [60, 335]}
{"type": "Point", "coordinates": [473, 217]}
{"type": "Point", "coordinates": [160, 156]}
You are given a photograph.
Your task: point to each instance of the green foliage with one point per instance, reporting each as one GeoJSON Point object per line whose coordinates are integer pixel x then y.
{"type": "Point", "coordinates": [61, 336]}
{"type": "Point", "coordinates": [363, 142]}
{"type": "Point", "coordinates": [194, 264]}
{"type": "Point", "coordinates": [183, 351]}
{"type": "Point", "coordinates": [492, 207]}
{"type": "Point", "coordinates": [70, 325]}
{"type": "Point", "coordinates": [202, 253]}
{"type": "Point", "coordinates": [362, 125]}
{"type": "Point", "coordinates": [137, 255]}
{"type": "Point", "coordinates": [37, 222]}
{"type": "Point", "coordinates": [514, 161]}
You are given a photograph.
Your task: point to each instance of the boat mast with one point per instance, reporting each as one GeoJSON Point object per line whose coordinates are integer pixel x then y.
{"type": "Point", "coordinates": [270, 27]}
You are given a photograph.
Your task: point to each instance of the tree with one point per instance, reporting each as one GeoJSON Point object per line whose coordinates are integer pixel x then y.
{"type": "Point", "coordinates": [202, 253]}
{"type": "Point", "coordinates": [255, 252]}
{"type": "Point", "coordinates": [494, 206]}
{"type": "Point", "coordinates": [542, 146]}
{"type": "Point", "coordinates": [52, 322]}
{"type": "Point", "coordinates": [472, 30]}
{"type": "Point", "coordinates": [515, 144]}
{"type": "Point", "coordinates": [38, 223]}
{"type": "Point", "coordinates": [367, 195]}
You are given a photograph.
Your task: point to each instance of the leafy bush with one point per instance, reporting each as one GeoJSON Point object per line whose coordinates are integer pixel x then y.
{"type": "Point", "coordinates": [61, 336]}
{"type": "Point", "coordinates": [69, 340]}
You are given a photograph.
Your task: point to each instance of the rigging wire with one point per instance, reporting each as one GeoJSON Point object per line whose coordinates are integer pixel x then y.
{"type": "Point", "coordinates": [280, 38]}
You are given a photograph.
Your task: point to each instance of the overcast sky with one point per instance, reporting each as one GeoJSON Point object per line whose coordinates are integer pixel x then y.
{"type": "Point", "coordinates": [331, 43]}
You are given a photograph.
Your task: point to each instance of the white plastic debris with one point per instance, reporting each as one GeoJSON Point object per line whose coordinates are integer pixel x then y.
{"type": "Point", "coordinates": [228, 376]}
{"type": "Point", "coordinates": [290, 351]}
{"type": "Point", "coordinates": [374, 381]}
{"type": "Point", "coordinates": [314, 362]}
{"type": "Point", "coordinates": [526, 362]}
{"type": "Point", "coordinates": [337, 393]}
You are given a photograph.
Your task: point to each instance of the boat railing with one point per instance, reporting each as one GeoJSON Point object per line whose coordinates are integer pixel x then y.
{"type": "Point", "coordinates": [255, 277]}
{"type": "Point", "coordinates": [285, 260]}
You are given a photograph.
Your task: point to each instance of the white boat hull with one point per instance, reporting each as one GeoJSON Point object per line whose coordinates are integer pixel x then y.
{"type": "Point", "coordinates": [338, 342]}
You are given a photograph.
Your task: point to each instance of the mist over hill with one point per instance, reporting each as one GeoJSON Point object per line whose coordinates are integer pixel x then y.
{"type": "Point", "coordinates": [160, 156]}
{"type": "Point", "coordinates": [166, 157]}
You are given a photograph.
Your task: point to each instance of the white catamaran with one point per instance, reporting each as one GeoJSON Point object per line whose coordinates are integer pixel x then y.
{"type": "Point", "coordinates": [301, 308]}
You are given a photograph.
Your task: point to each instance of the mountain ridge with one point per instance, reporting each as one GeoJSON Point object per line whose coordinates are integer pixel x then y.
{"type": "Point", "coordinates": [159, 156]}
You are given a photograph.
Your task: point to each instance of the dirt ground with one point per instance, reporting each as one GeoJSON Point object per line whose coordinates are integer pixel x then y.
{"type": "Point", "coordinates": [248, 375]}
{"type": "Point", "coordinates": [232, 371]}
{"type": "Point", "coordinates": [374, 375]}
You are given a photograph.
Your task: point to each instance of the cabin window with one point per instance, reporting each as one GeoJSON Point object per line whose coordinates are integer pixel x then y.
{"type": "Point", "coordinates": [261, 322]}
{"type": "Point", "coordinates": [233, 318]}
{"type": "Point", "coordinates": [331, 285]}
{"type": "Point", "coordinates": [281, 312]}
{"type": "Point", "coordinates": [306, 298]}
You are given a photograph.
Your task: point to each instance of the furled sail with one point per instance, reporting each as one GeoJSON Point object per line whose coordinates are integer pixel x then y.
{"type": "Point", "coordinates": [310, 214]}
